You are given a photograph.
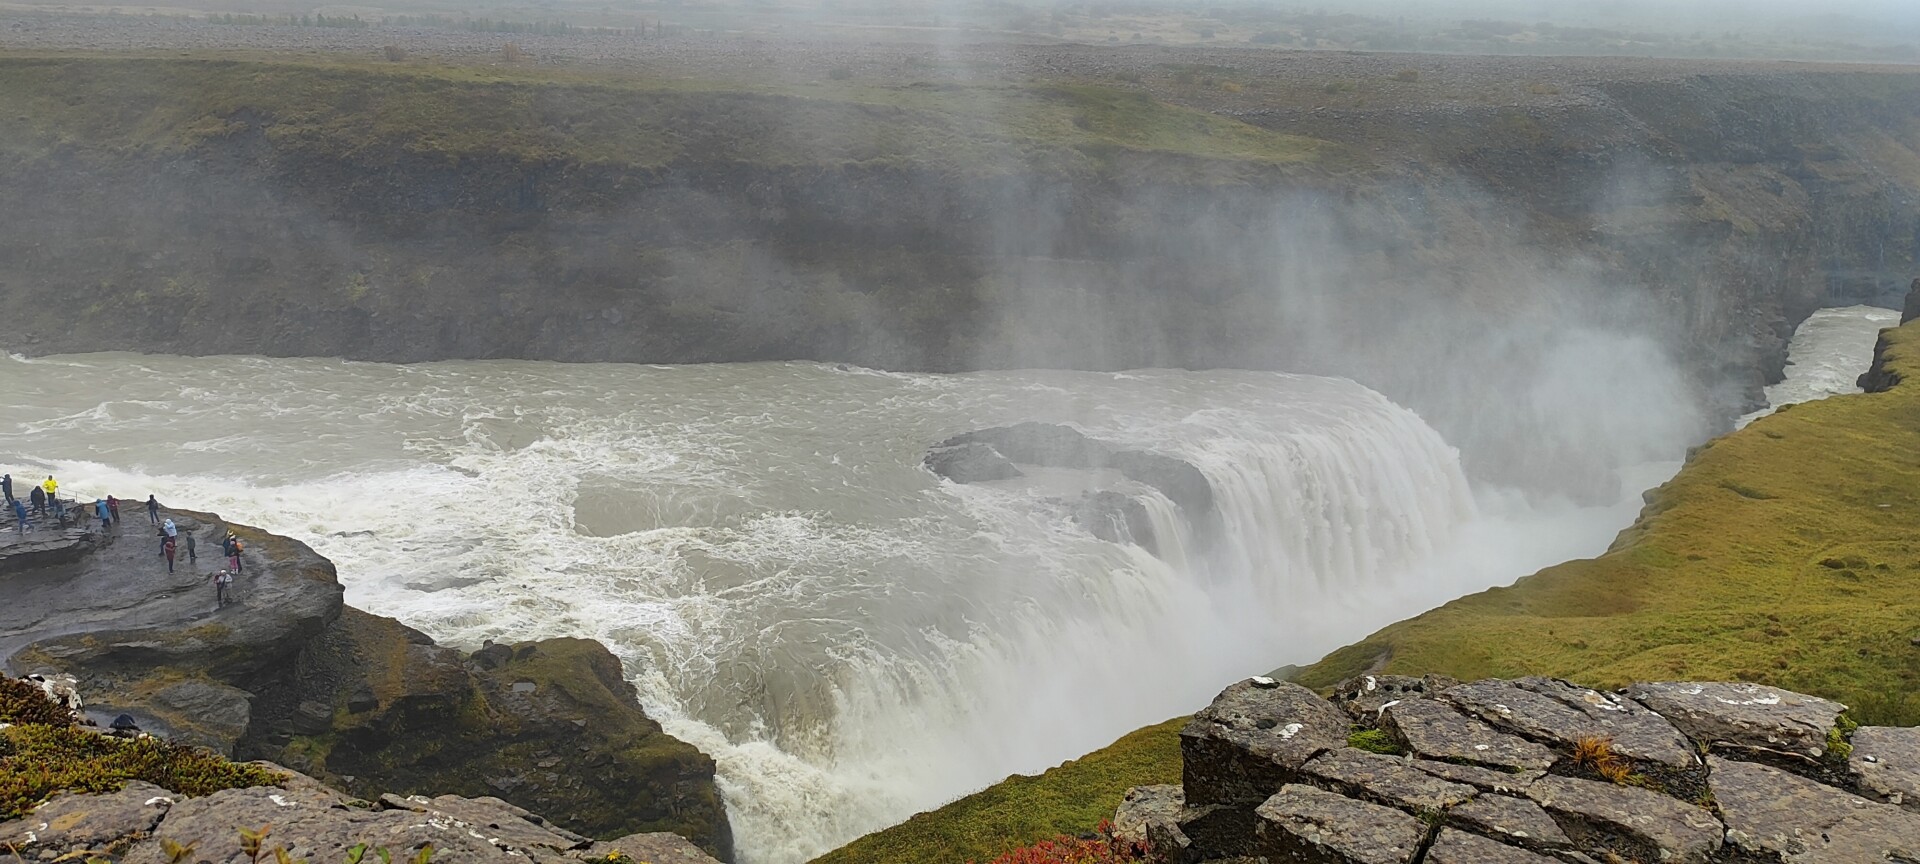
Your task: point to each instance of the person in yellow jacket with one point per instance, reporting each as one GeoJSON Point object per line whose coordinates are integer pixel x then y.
{"type": "Point", "coordinates": [50, 486]}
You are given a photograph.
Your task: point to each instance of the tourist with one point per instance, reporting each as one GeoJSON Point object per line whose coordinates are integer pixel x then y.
{"type": "Point", "coordinates": [222, 587]}
{"type": "Point", "coordinates": [59, 507]}
{"type": "Point", "coordinates": [170, 529]}
{"type": "Point", "coordinates": [113, 506]}
{"type": "Point", "coordinates": [100, 510]}
{"type": "Point", "coordinates": [6, 486]}
{"type": "Point", "coordinates": [51, 486]}
{"type": "Point", "coordinates": [192, 555]}
{"type": "Point", "coordinates": [20, 518]}
{"type": "Point", "coordinates": [231, 546]}
{"type": "Point", "coordinates": [39, 498]}
{"type": "Point", "coordinates": [166, 548]}
{"type": "Point", "coordinates": [153, 510]}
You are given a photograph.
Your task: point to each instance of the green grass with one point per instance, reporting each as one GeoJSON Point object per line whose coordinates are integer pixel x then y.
{"type": "Point", "coordinates": [1070, 799]}
{"type": "Point", "coordinates": [121, 106]}
{"type": "Point", "coordinates": [1728, 574]}
{"type": "Point", "coordinates": [45, 753]}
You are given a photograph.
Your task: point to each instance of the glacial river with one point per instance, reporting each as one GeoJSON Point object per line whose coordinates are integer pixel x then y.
{"type": "Point", "coordinates": [850, 637]}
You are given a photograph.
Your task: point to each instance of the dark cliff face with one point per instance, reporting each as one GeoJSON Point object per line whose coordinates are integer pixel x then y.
{"type": "Point", "coordinates": [1437, 250]}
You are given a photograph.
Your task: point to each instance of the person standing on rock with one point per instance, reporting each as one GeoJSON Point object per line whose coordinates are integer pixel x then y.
{"type": "Point", "coordinates": [166, 548]}
{"type": "Point", "coordinates": [153, 510]}
{"type": "Point", "coordinates": [113, 506]}
{"type": "Point", "coordinates": [51, 486]}
{"type": "Point", "coordinates": [100, 510]}
{"type": "Point", "coordinates": [20, 518]}
{"type": "Point", "coordinates": [39, 498]}
{"type": "Point", "coordinates": [6, 486]}
{"type": "Point", "coordinates": [192, 554]}
{"type": "Point", "coordinates": [171, 530]}
{"type": "Point", "coordinates": [222, 587]}
{"type": "Point", "coordinates": [231, 546]}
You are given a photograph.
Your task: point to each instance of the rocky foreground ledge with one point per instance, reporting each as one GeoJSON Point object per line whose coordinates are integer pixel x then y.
{"type": "Point", "coordinates": [1396, 770]}
{"type": "Point", "coordinates": [292, 675]}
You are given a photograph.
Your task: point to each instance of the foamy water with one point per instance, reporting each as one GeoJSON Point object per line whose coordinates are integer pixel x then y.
{"type": "Point", "coordinates": [1829, 352]}
{"type": "Point", "coordinates": [850, 637]}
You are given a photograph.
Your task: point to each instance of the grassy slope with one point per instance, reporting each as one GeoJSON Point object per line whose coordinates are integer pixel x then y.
{"type": "Point", "coordinates": [343, 108]}
{"type": "Point", "coordinates": [1787, 553]}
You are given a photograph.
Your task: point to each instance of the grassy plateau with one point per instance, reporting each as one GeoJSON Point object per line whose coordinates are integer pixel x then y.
{"type": "Point", "coordinates": [1786, 553]}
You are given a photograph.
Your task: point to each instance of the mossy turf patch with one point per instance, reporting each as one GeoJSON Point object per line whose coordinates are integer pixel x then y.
{"type": "Point", "coordinates": [1069, 799]}
{"type": "Point", "coordinates": [45, 753]}
{"type": "Point", "coordinates": [1787, 553]}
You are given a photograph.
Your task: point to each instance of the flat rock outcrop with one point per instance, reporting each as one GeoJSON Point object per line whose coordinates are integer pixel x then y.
{"type": "Point", "coordinates": [1530, 771]}
{"type": "Point", "coordinates": [979, 455]}
{"type": "Point", "coordinates": [141, 824]}
{"type": "Point", "coordinates": [290, 674]}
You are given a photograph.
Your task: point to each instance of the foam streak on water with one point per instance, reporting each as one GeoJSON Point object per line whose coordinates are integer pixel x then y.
{"type": "Point", "coordinates": [851, 638]}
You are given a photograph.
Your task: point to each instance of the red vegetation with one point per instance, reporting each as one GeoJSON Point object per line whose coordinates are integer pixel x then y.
{"type": "Point", "coordinates": [1102, 849]}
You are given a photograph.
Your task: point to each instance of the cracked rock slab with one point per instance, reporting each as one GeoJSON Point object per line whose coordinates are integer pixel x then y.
{"type": "Point", "coordinates": [1548, 709]}
{"type": "Point", "coordinates": [1459, 847]}
{"type": "Point", "coordinates": [1744, 715]}
{"type": "Point", "coordinates": [70, 823]}
{"type": "Point", "coordinates": [1144, 806]}
{"type": "Point", "coordinates": [1365, 696]}
{"type": "Point", "coordinates": [1630, 820]}
{"type": "Point", "coordinates": [1886, 763]}
{"type": "Point", "coordinates": [1437, 731]}
{"type": "Point", "coordinates": [1383, 780]}
{"type": "Point", "coordinates": [1301, 823]}
{"type": "Point", "coordinates": [1253, 739]}
{"type": "Point", "coordinates": [1484, 779]}
{"type": "Point", "coordinates": [1784, 817]}
{"type": "Point", "coordinates": [1514, 820]}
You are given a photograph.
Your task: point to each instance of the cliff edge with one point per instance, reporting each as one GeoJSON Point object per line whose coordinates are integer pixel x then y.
{"type": "Point", "coordinates": [287, 672]}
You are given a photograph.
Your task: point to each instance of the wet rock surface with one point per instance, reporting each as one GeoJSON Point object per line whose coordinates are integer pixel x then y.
{"type": "Point", "coordinates": [1249, 793]}
{"type": "Point", "coordinates": [289, 673]}
{"type": "Point", "coordinates": [1050, 445]}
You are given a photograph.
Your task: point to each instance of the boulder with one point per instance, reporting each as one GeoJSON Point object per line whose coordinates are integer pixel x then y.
{"type": "Point", "coordinates": [1459, 847]}
{"type": "Point", "coordinates": [1515, 820]}
{"type": "Point", "coordinates": [1629, 821]}
{"type": "Point", "coordinates": [1253, 739]}
{"type": "Point", "coordinates": [1484, 779]}
{"type": "Point", "coordinates": [1561, 714]}
{"type": "Point", "coordinates": [1778, 816]}
{"type": "Point", "coordinates": [970, 462]}
{"type": "Point", "coordinates": [202, 712]}
{"type": "Point", "coordinates": [1437, 731]}
{"type": "Point", "coordinates": [1301, 823]}
{"type": "Point", "coordinates": [70, 823]}
{"type": "Point", "coordinates": [1886, 763]}
{"type": "Point", "coordinates": [1382, 780]}
{"type": "Point", "coordinates": [1364, 697]}
{"type": "Point", "coordinates": [1144, 806]}
{"type": "Point", "coordinates": [1744, 715]}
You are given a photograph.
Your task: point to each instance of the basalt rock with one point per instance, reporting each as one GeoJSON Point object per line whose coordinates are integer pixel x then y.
{"type": "Point", "coordinates": [1561, 714]}
{"type": "Point", "coordinates": [1253, 739]}
{"type": "Point", "coordinates": [962, 459]}
{"type": "Point", "coordinates": [1886, 764]}
{"type": "Point", "coordinates": [1744, 715]}
{"type": "Point", "coordinates": [970, 462]}
{"type": "Point", "coordinates": [1363, 698]}
{"type": "Point", "coordinates": [1116, 518]}
{"type": "Point", "coordinates": [290, 674]}
{"type": "Point", "coordinates": [1345, 805]}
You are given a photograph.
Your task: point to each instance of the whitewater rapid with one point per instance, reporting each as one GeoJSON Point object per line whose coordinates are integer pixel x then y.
{"type": "Point", "coordinates": [850, 637]}
{"type": "Point", "coordinates": [1828, 353]}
